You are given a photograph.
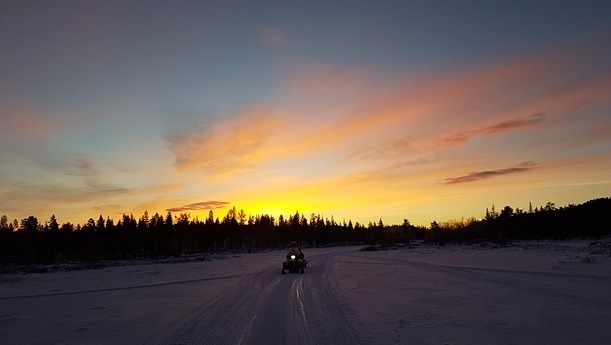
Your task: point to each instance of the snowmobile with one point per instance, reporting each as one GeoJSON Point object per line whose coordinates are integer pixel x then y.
{"type": "Point", "coordinates": [293, 264]}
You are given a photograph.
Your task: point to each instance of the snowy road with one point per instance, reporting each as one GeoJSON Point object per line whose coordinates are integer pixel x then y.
{"type": "Point", "coordinates": [268, 308]}
{"type": "Point", "coordinates": [533, 293]}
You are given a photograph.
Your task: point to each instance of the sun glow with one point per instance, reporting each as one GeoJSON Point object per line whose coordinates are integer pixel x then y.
{"type": "Point", "coordinates": [270, 207]}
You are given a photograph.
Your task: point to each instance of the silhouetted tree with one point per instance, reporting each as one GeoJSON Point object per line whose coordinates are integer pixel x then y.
{"type": "Point", "coordinates": [506, 212]}
{"type": "Point", "coordinates": [406, 227]}
{"type": "Point", "coordinates": [30, 224]}
{"type": "Point", "coordinates": [33, 243]}
{"type": "Point", "coordinates": [143, 222]}
{"type": "Point", "coordinates": [169, 219]}
{"type": "Point", "coordinates": [210, 219]}
{"type": "Point", "coordinates": [53, 225]}
{"type": "Point", "coordinates": [4, 225]}
{"type": "Point", "coordinates": [101, 223]}
{"type": "Point", "coordinates": [241, 217]}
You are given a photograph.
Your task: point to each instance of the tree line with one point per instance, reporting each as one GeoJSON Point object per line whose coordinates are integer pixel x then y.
{"type": "Point", "coordinates": [30, 242]}
{"type": "Point", "coordinates": [591, 219]}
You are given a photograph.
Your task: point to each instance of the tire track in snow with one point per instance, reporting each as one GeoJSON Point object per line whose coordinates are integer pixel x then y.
{"type": "Point", "coordinates": [268, 308]}
{"type": "Point", "coordinates": [323, 314]}
{"type": "Point", "coordinates": [542, 286]}
{"type": "Point", "coordinates": [298, 328]}
{"type": "Point", "coordinates": [144, 286]}
{"type": "Point", "coordinates": [226, 320]}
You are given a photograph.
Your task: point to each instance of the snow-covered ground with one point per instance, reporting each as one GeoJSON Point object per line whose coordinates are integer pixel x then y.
{"type": "Point", "coordinates": [529, 293]}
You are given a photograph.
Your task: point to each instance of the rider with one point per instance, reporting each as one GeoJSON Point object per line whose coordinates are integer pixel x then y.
{"type": "Point", "coordinates": [293, 249]}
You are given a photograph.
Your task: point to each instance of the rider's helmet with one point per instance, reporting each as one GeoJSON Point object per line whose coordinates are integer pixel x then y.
{"type": "Point", "coordinates": [293, 244]}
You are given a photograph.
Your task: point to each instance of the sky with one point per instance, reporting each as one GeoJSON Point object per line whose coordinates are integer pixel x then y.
{"type": "Point", "coordinates": [360, 110]}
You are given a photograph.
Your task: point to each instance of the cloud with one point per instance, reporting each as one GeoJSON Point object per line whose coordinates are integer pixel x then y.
{"type": "Point", "coordinates": [513, 124]}
{"type": "Point", "coordinates": [226, 146]}
{"type": "Point", "coordinates": [497, 128]}
{"type": "Point", "coordinates": [351, 116]}
{"type": "Point", "coordinates": [414, 146]}
{"type": "Point", "coordinates": [416, 114]}
{"type": "Point", "coordinates": [481, 175]}
{"type": "Point", "coordinates": [76, 164]}
{"type": "Point", "coordinates": [76, 169]}
{"type": "Point", "coordinates": [426, 118]}
{"type": "Point", "coordinates": [273, 36]}
{"type": "Point", "coordinates": [48, 198]}
{"type": "Point", "coordinates": [61, 194]}
{"type": "Point", "coordinates": [202, 205]}
{"type": "Point", "coordinates": [73, 183]}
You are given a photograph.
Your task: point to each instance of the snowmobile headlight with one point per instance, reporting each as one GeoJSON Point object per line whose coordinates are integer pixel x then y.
{"type": "Point", "coordinates": [293, 257]}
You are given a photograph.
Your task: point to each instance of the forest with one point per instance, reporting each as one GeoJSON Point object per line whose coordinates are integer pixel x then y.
{"type": "Point", "coordinates": [31, 242]}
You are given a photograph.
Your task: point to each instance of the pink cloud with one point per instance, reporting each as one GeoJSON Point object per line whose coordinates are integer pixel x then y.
{"type": "Point", "coordinates": [226, 146]}
{"type": "Point", "coordinates": [361, 118]}
{"type": "Point", "coordinates": [500, 127]}
{"type": "Point", "coordinates": [445, 114]}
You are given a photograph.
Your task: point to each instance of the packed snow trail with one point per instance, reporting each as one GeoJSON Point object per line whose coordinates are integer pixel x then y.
{"type": "Point", "coordinates": [479, 297]}
{"type": "Point", "coordinates": [268, 308]}
{"type": "Point", "coordinates": [531, 293]}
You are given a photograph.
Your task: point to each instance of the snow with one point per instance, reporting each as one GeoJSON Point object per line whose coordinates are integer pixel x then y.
{"type": "Point", "coordinates": [527, 293]}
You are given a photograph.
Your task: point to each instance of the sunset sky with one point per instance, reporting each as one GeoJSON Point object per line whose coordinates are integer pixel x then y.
{"type": "Point", "coordinates": [360, 110]}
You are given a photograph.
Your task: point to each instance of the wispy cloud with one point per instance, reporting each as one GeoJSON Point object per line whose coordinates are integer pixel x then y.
{"type": "Point", "coordinates": [486, 174]}
{"type": "Point", "coordinates": [225, 146]}
{"type": "Point", "coordinates": [77, 164]}
{"type": "Point", "coordinates": [38, 198]}
{"type": "Point", "coordinates": [390, 123]}
{"type": "Point", "coordinates": [497, 128]}
{"type": "Point", "coordinates": [439, 115]}
{"type": "Point", "coordinates": [198, 206]}
{"type": "Point", "coordinates": [509, 125]}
